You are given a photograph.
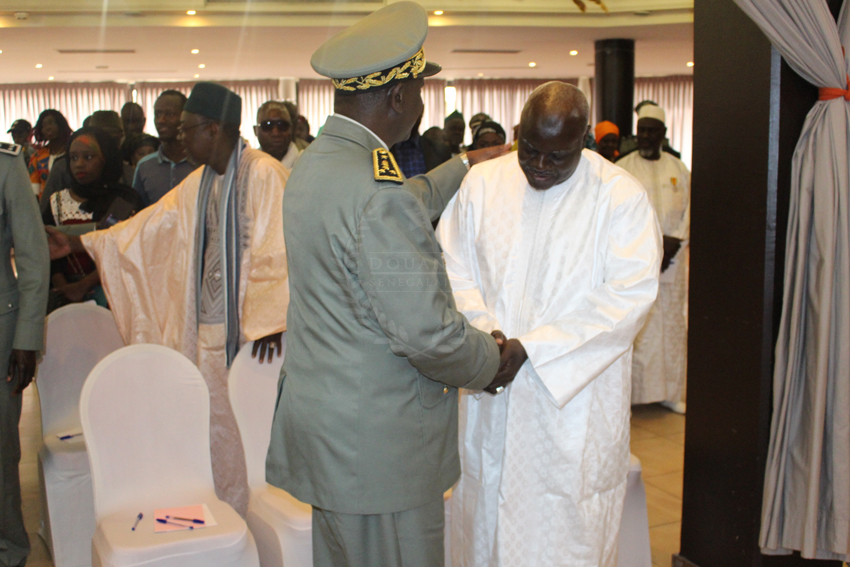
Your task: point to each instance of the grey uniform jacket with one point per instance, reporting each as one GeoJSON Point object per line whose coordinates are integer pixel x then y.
{"type": "Point", "coordinates": [366, 417]}
{"type": "Point", "coordinates": [23, 300]}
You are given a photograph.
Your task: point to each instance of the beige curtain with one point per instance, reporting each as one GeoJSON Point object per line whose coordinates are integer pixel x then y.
{"type": "Point", "coordinates": [253, 93]}
{"type": "Point", "coordinates": [675, 95]}
{"type": "Point", "coordinates": [75, 101]}
{"type": "Point", "coordinates": [434, 98]}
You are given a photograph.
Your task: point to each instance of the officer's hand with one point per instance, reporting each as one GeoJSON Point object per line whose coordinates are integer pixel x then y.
{"type": "Point", "coordinates": [21, 369]}
{"type": "Point", "coordinates": [501, 340]}
{"type": "Point", "coordinates": [477, 156]}
{"type": "Point", "coordinates": [512, 358]}
{"type": "Point", "coordinates": [268, 344]}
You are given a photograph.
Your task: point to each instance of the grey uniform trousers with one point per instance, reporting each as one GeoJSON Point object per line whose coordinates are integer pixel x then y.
{"type": "Point", "coordinates": [412, 538]}
{"type": "Point", "coordinates": [14, 543]}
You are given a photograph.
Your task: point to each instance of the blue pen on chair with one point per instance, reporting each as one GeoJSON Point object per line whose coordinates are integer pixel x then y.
{"type": "Point", "coordinates": [138, 519]}
{"type": "Point", "coordinates": [193, 520]}
{"type": "Point", "coordinates": [72, 435]}
{"type": "Point", "coordinates": [161, 521]}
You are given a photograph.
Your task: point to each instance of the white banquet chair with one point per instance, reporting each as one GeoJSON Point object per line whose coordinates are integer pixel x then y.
{"type": "Point", "coordinates": [282, 526]}
{"type": "Point", "coordinates": [145, 413]}
{"type": "Point", "coordinates": [78, 336]}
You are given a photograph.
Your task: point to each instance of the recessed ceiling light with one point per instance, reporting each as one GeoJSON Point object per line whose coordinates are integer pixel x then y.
{"type": "Point", "coordinates": [50, 78]}
{"type": "Point", "coordinates": [195, 51]}
{"type": "Point", "coordinates": [38, 65]}
{"type": "Point", "coordinates": [690, 63]}
{"type": "Point", "coordinates": [197, 75]}
{"type": "Point", "coordinates": [438, 12]}
{"type": "Point", "coordinates": [480, 74]}
{"type": "Point", "coordinates": [573, 52]}
{"type": "Point", "coordinates": [1, 51]}
{"type": "Point", "coordinates": [201, 66]}
{"type": "Point", "coordinates": [532, 64]}
{"type": "Point", "coordinates": [190, 12]}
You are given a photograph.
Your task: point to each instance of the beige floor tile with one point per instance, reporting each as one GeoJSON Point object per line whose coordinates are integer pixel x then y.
{"type": "Point", "coordinates": [664, 542]}
{"type": "Point", "coordinates": [662, 507]}
{"type": "Point", "coordinates": [677, 438]}
{"type": "Point", "coordinates": [671, 483]}
{"type": "Point", "coordinates": [659, 455]}
{"type": "Point", "coordinates": [638, 434]}
{"type": "Point", "coordinates": [657, 419]}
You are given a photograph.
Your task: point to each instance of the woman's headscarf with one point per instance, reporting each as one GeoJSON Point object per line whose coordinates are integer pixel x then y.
{"type": "Point", "coordinates": [100, 192]}
{"type": "Point", "coordinates": [604, 128]}
{"type": "Point", "coordinates": [488, 127]}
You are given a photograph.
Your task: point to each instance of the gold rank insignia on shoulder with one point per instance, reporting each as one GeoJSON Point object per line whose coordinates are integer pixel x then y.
{"type": "Point", "coordinates": [386, 169]}
{"type": "Point", "coordinates": [11, 149]}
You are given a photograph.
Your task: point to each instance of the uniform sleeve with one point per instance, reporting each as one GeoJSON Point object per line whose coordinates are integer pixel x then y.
{"type": "Point", "coordinates": [32, 259]}
{"type": "Point", "coordinates": [438, 186]}
{"type": "Point", "coordinates": [267, 289]}
{"type": "Point", "coordinates": [570, 352]}
{"type": "Point", "coordinates": [402, 273]}
{"type": "Point", "coordinates": [456, 234]}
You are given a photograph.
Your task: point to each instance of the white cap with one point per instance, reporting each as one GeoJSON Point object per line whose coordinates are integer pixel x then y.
{"type": "Point", "coordinates": [652, 111]}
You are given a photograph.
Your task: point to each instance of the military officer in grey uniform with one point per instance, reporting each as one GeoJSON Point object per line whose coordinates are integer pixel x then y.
{"type": "Point", "coordinates": [365, 427]}
{"type": "Point", "coordinates": [23, 304]}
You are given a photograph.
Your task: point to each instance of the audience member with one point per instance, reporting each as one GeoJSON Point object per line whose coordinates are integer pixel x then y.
{"type": "Point", "coordinates": [302, 130]}
{"type": "Point", "coordinates": [607, 140]}
{"type": "Point", "coordinates": [455, 127]}
{"type": "Point", "coordinates": [169, 271]}
{"type": "Point", "coordinates": [163, 170]}
{"type": "Point", "coordinates": [95, 195]}
{"type": "Point", "coordinates": [660, 357]}
{"type": "Point", "coordinates": [418, 155]}
{"type": "Point", "coordinates": [21, 336]}
{"type": "Point", "coordinates": [274, 132]}
{"type": "Point", "coordinates": [487, 135]}
{"type": "Point", "coordinates": [134, 148]}
{"type": "Point", "coordinates": [629, 143]}
{"type": "Point", "coordinates": [132, 119]}
{"type": "Point", "coordinates": [297, 127]}
{"type": "Point", "coordinates": [556, 247]}
{"type": "Point", "coordinates": [477, 121]}
{"type": "Point", "coordinates": [51, 134]}
{"type": "Point", "coordinates": [21, 131]}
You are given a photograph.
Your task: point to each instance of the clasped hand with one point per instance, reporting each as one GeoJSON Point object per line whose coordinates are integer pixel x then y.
{"type": "Point", "coordinates": [512, 356]}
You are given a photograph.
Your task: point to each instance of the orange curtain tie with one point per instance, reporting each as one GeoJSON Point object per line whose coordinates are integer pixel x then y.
{"type": "Point", "coordinates": [828, 93]}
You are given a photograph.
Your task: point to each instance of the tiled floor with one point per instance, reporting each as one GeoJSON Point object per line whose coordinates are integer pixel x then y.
{"type": "Point", "coordinates": [658, 438]}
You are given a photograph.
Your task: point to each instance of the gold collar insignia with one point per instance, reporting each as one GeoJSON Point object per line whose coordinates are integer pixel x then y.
{"type": "Point", "coordinates": [386, 169]}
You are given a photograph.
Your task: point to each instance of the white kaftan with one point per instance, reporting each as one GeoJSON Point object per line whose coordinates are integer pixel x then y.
{"type": "Point", "coordinates": [147, 267]}
{"type": "Point", "coordinates": [660, 364]}
{"type": "Point", "coordinates": [571, 272]}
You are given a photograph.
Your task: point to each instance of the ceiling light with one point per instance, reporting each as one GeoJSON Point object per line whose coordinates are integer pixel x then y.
{"type": "Point", "coordinates": [1, 51]}
{"type": "Point", "coordinates": [190, 12]}
{"type": "Point", "coordinates": [38, 65]}
{"type": "Point", "coordinates": [195, 51]}
{"type": "Point", "coordinates": [532, 64]}
{"type": "Point", "coordinates": [573, 52]}
{"type": "Point", "coordinates": [438, 12]}
{"type": "Point", "coordinates": [690, 63]}
{"type": "Point", "coordinates": [201, 66]}
{"type": "Point", "coordinates": [50, 78]}
{"type": "Point", "coordinates": [480, 74]}
{"type": "Point", "coordinates": [197, 75]}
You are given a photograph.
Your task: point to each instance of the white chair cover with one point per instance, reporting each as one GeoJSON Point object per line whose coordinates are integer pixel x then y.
{"type": "Point", "coordinates": [282, 526]}
{"type": "Point", "coordinates": [145, 413]}
{"type": "Point", "coordinates": [78, 337]}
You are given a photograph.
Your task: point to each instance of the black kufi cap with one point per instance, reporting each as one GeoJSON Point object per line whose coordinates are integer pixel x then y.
{"type": "Point", "coordinates": [216, 102]}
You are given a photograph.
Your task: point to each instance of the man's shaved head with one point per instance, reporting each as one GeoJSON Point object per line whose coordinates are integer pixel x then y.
{"type": "Point", "coordinates": [552, 133]}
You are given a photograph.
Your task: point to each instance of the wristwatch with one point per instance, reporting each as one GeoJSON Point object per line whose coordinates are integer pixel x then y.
{"type": "Point", "coordinates": [465, 159]}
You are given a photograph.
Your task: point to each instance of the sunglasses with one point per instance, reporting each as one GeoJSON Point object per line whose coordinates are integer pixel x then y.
{"type": "Point", "coordinates": [269, 125]}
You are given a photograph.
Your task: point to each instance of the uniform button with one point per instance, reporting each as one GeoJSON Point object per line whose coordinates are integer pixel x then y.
{"type": "Point", "coordinates": [445, 389]}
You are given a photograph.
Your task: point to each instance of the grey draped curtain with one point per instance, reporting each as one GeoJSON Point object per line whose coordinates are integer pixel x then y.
{"type": "Point", "coordinates": [807, 481]}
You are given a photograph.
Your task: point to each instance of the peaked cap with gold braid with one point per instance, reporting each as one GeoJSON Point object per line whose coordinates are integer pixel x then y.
{"type": "Point", "coordinates": [381, 49]}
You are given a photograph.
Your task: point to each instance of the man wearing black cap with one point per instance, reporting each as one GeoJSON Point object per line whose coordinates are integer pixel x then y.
{"type": "Point", "coordinates": [204, 269]}
{"type": "Point", "coordinates": [21, 131]}
{"type": "Point", "coordinates": [366, 424]}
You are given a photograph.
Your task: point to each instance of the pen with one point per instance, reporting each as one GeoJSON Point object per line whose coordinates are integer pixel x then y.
{"type": "Point", "coordinates": [161, 521]}
{"type": "Point", "coordinates": [65, 437]}
{"type": "Point", "coordinates": [193, 520]}
{"type": "Point", "coordinates": [138, 519]}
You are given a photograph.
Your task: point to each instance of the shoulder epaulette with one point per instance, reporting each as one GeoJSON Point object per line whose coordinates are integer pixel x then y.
{"type": "Point", "coordinates": [11, 149]}
{"type": "Point", "coordinates": [386, 169]}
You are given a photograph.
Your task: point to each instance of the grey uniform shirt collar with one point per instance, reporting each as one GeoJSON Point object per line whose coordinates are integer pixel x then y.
{"type": "Point", "coordinates": [342, 128]}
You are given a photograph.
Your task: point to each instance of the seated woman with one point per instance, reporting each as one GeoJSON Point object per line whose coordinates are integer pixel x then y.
{"type": "Point", "coordinates": [489, 134]}
{"type": "Point", "coordinates": [95, 196]}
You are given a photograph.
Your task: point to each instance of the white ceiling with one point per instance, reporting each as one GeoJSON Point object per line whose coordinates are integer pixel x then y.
{"type": "Point", "coordinates": [270, 40]}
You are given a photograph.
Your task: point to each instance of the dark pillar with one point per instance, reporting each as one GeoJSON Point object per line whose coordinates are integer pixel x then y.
{"type": "Point", "coordinates": [749, 109]}
{"type": "Point", "coordinates": [614, 85]}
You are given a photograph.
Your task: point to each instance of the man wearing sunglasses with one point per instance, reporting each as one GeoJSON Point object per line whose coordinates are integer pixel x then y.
{"type": "Point", "coordinates": [274, 132]}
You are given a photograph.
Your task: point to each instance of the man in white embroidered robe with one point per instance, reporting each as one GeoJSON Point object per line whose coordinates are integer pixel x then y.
{"type": "Point", "coordinates": [560, 249]}
{"type": "Point", "coordinates": [203, 270]}
{"type": "Point", "coordinates": [659, 368]}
